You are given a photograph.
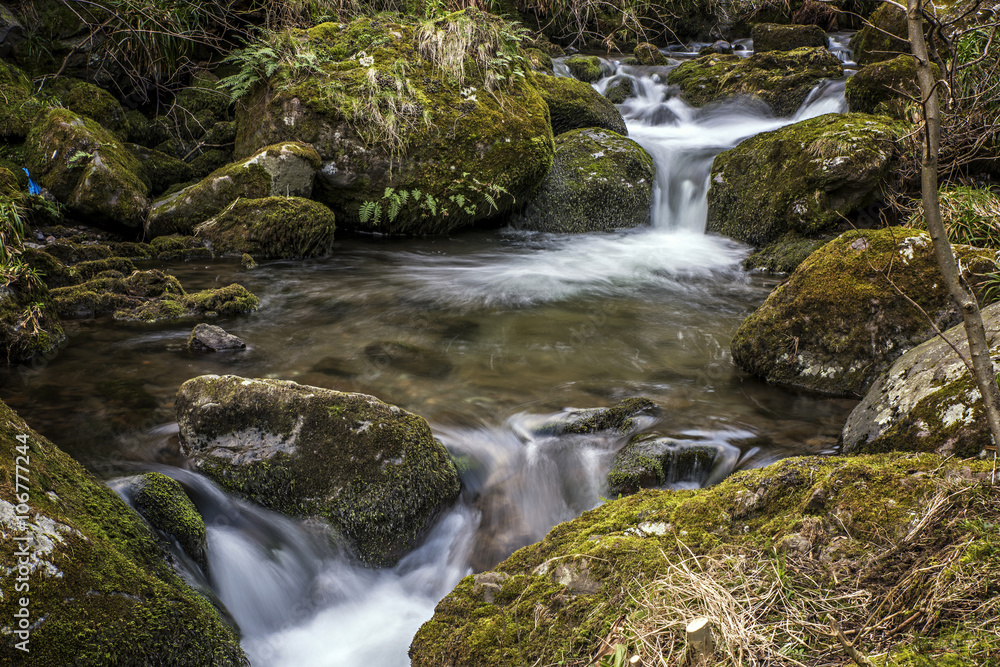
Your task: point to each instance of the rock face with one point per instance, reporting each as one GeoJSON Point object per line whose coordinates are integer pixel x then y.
{"type": "Point", "coordinates": [282, 170]}
{"type": "Point", "coordinates": [210, 338]}
{"type": "Point", "coordinates": [885, 38]}
{"type": "Point", "coordinates": [838, 322]}
{"type": "Point", "coordinates": [600, 181]}
{"type": "Point", "coordinates": [441, 136]}
{"type": "Point", "coordinates": [816, 171]}
{"type": "Point", "coordinates": [372, 470]}
{"type": "Point", "coordinates": [574, 105]}
{"type": "Point", "coordinates": [927, 401]}
{"type": "Point", "coordinates": [100, 585]}
{"type": "Point", "coordinates": [591, 576]}
{"type": "Point", "coordinates": [776, 37]}
{"type": "Point", "coordinates": [162, 502]}
{"type": "Point", "coordinates": [271, 228]}
{"type": "Point", "coordinates": [783, 80]}
{"type": "Point", "coordinates": [87, 168]}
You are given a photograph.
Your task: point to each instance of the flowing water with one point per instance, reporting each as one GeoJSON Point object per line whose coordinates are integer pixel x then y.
{"type": "Point", "coordinates": [510, 330]}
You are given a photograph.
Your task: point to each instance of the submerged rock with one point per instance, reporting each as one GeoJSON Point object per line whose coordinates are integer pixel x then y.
{"type": "Point", "coordinates": [600, 181]}
{"type": "Point", "coordinates": [210, 338]}
{"type": "Point", "coordinates": [781, 79]}
{"type": "Point", "coordinates": [447, 148]}
{"type": "Point", "coordinates": [927, 401]}
{"type": "Point", "coordinates": [271, 228]}
{"type": "Point", "coordinates": [838, 322]}
{"type": "Point", "coordinates": [281, 170]}
{"type": "Point", "coordinates": [650, 462]}
{"type": "Point", "coordinates": [802, 178]}
{"type": "Point", "coordinates": [100, 584]}
{"type": "Point", "coordinates": [619, 418]}
{"type": "Point", "coordinates": [373, 471]}
{"type": "Point", "coordinates": [407, 358]}
{"type": "Point", "coordinates": [779, 37]}
{"type": "Point", "coordinates": [574, 105]}
{"type": "Point", "coordinates": [162, 502]}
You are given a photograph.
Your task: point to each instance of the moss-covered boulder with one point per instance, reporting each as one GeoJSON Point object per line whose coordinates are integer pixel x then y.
{"type": "Point", "coordinates": [585, 68]}
{"type": "Point", "coordinates": [779, 37]}
{"type": "Point", "coordinates": [823, 527]}
{"type": "Point", "coordinates": [286, 169]}
{"type": "Point", "coordinates": [371, 470]}
{"type": "Point", "coordinates": [101, 591]}
{"type": "Point", "coordinates": [159, 169]}
{"type": "Point", "coordinates": [839, 321]}
{"type": "Point", "coordinates": [651, 462]}
{"type": "Point", "coordinates": [574, 105]}
{"type": "Point", "coordinates": [621, 418]}
{"type": "Point", "coordinates": [648, 55]}
{"type": "Point", "coordinates": [927, 401]}
{"type": "Point", "coordinates": [86, 99]}
{"type": "Point", "coordinates": [87, 168]}
{"type": "Point", "coordinates": [785, 254]}
{"type": "Point", "coordinates": [885, 37]}
{"type": "Point", "coordinates": [783, 80]}
{"type": "Point", "coordinates": [420, 132]}
{"type": "Point", "coordinates": [18, 106]}
{"type": "Point", "coordinates": [619, 89]}
{"type": "Point", "coordinates": [817, 171]}
{"type": "Point", "coordinates": [885, 87]}
{"type": "Point", "coordinates": [148, 296]}
{"type": "Point", "coordinates": [271, 228]}
{"type": "Point", "coordinates": [163, 503]}
{"type": "Point", "coordinates": [600, 181]}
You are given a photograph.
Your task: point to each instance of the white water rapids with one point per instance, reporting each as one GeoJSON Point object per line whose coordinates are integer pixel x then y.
{"type": "Point", "coordinates": [298, 602]}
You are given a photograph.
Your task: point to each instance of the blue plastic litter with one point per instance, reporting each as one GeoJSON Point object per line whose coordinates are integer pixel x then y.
{"type": "Point", "coordinates": [33, 188]}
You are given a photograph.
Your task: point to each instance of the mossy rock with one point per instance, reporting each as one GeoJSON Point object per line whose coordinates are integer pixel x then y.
{"type": "Point", "coordinates": [282, 170]}
{"type": "Point", "coordinates": [163, 503]}
{"type": "Point", "coordinates": [160, 170]}
{"type": "Point", "coordinates": [449, 144]}
{"type": "Point", "coordinates": [817, 171]}
{"type": "Point", "coordinates": [371, 470]}
{"type": "Point", "coordinates": [87, 168]}
{"type": "Point", "coordinates": [271, 228]}
{"type": "Point", "coordinates": [652, 462]}
{"type": "Point", "coordinates": [205, 94]}
{"type": "Point", "coordinates": [591, 577]}
{"type": "Point", "coordinates": [648, 55]}
{"type": "Point", "coordinates": [619, 418]}
{"type": "Point", "coordinates": [600, 181]}
{"type": "Point", "coordinates": [137, 128]}
{"type": "Point", "coordinates": [927, 401]}
{"type": "Point", "coordinates": [619, 89]}
{"type": "Point", "coordinates": [777, 37]}
{"type": "Point", "coordinates": [29, 324]}
{"type": "Point", "coordinates": [585, 68]}
{"type": "Point", "coordinates": [785, 254]}
{"type": "Point", "coordinates": [782, 79]}
{"type": "Point", "coordinates": [540, 61]}
{"type": "Point", "coordinates": [574, 105]}
{"type": "Point", "coordinates": [102, 591]}
{"type": "Point", "coordinates": [885, 87]}
{"type": "Point", "coordinates": [885, 38]}
{"type": "Point", "coordinates": [838, 322]}
{"type": "Point", "coordinates": [18, 106]}
{"type": "Point", "coordinates": [86, 99]}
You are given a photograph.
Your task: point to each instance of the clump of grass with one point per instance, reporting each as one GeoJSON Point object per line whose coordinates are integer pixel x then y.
{"type": "Point", "coordinates": [14, 272]}
{"type": "Point", "coordinates": [971, 215]}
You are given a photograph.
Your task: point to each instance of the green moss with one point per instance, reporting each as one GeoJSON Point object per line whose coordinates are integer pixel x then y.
{"type": "Point", "coordinates": [18, 106]}
{"type": "Point", "coordinates": [88, 100]}
{"type": "Point", "coordinates": [115, 600]}
{"type": "Point", "coordinates": [885, 88]}
{"type": "Point", "coordinates": [372, 470]}
{"type": "Point", "coordinates": [838, 322]}
{"type": "Point", "coordinates": [819, 170]}
{"type": "Point", "coordinates": [647, 54]}
{"type": "Point", "coordinates": [230, 300]}
{"type": "Point", "coordinates": [777, 37]}
{"type": "Point", "coordinates": [163, 503]}
{"type": "Point", "coordinates": [585, 68]}
{"type": "Point", "coordinates": [783, 80]}
{"type": "Point", "coordinates": [619, 418]}
{"type": "Point", "coordinates": [785, 254]}
{"type": "Point", "coordinates": [599, 181]}
{"type": "Point", "coordinates": [649, 462]}
{"type": "Point", "coordinates": [886, 37]}
{"type": "Point", "coordinates": [159, 170]}
{"type": "Point", "coordinates": [620, 89]}
{"type": "Point", "coordinates": [540, 61]}
{"type": "Point", "coordinates": [575, 105]}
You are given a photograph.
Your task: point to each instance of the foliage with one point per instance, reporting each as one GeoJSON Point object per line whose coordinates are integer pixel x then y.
{"type": "Point", "coordinates": [259, 60]}
{"type": "Point", "coordinates": [13, 270]}
{"type": "Point", "coordinates": [460, 199]}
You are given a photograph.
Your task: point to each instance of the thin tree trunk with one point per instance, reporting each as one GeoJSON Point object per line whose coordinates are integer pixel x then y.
{"type": "Point", "coordinates": [979, 349]}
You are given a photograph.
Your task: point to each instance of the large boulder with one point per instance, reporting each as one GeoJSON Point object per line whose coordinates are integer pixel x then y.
{"type": "Point", "coordinates": [86, 99]}
{"type": "Point", "coordinates": [884, 87]}
{"type": "Point", "coordinates": [283, 170]}
{"type": "Point", "coordinates": [574, 105]}
{"type": "Point", "coordinates": [839, 321]}
{"type": "Point", "coordinates": [101, 589]}
{"type": "Point", "coordinates": [271, 228]}
{"type": "Point", "coordinates": [17, 104]}
{"type": "Point", "coordinates": [884, 37]}
{"type": "Point", "coordinates": [778, 37]}
{"type": "Point", "coordinates": [600, 181]}
{"type": "Point", "coordinates": [87, 168]}
{"type": "Point", "coordinates": [927, 401]}
{"type": "Point", "coordinates": [781, 79]}
{"type": "Point", "coordinates": [816, 172]}
{"type": "Point", "coordinates": [420, 132]}
{"type": "Point", "coordinates": [647, 54]}
{"type": "Point", "coordinates": [373, 471]}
